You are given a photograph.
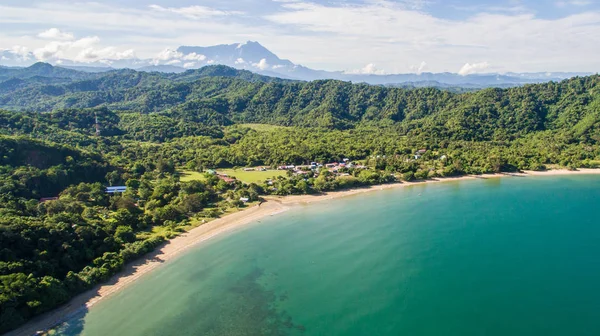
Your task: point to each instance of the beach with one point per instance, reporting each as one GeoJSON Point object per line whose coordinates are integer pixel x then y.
{"type": "Point", "coordinates": [178, 245]}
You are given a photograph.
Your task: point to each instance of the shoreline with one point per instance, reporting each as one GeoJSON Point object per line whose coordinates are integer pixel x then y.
{"type": "Point", "coordinates": [178, 245]}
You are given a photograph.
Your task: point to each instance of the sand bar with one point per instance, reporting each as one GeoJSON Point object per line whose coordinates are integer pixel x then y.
{"type": "Point", "coordinates": [183, 242]}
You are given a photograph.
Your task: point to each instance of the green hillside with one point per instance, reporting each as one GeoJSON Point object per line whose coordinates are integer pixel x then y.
{"type": "Point", "coordinates": [161, 135]}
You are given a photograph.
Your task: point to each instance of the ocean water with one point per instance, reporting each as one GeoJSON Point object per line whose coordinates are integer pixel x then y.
{"type": "Point", "coordinates": [511, 256]}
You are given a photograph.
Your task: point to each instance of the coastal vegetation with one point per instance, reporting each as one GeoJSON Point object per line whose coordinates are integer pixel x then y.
{"type": "Point", "coordinates": [179, 143]}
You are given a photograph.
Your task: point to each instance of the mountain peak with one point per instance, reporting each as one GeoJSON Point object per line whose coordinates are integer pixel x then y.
{"type": "Point", "coordinates": [41, 66]}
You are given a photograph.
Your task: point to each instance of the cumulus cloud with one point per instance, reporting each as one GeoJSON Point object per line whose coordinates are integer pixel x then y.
{"type": "Point", "coordinates": [91, 54]}
{"type": "Point", "coordinates": [166, 55]}
{"type": "Point", "coordinates": [173, 62]}
{"type": "Point", "coordinates": [262, 65]}
{"type": "Point", "coordinates": [369, 69]}
{"type": "Point", "coordinates": [469, 69]}
{"type": "Point", "coordinates": [86, 49]}
{"type": "Point", "coordinates": [240, 61]}
{"type": "Point", "coordinates": [194, 57]}
{"type": "Point", "coordinates": [418, 69]}
{"type": "Point", "coordinates": [172, 56]}
{"type": "Point", "coordinates": [56, 34]}
{"type": "Point", "coordinates": [369, 31]}
{"type": "Point", "coordinates": [192, 12]}
{"type": "Point", "coordinates": [336, 35]}
{"type": "Point", "coordinates": [20, 51]}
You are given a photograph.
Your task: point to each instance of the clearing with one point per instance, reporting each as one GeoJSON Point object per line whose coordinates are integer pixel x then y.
{"type": "Point", "coordinates": [254, 176]}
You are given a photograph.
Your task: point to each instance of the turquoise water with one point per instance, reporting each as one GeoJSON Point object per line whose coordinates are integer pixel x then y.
{"type": "Point", "coordinates": [510, 256]}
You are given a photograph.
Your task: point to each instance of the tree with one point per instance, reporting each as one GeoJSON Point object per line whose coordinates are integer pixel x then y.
{"type": "Point", "coordinates": [124, 234]}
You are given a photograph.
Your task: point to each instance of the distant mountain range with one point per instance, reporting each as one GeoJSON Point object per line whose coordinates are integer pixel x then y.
{"type": "Point", "coordinates": [256, 58]}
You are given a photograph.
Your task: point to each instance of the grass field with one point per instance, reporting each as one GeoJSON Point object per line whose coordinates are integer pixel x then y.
{"type": "Point", "coordinates": [251, 176]}
{"type": "Point", "coordinates": [261, 127]}
{"type": "Point", "coordinates": [189, 175]}
{"type": "Point", "coordinates": [244, 176]}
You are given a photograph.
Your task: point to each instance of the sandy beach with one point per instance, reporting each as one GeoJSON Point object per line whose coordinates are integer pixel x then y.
{"type": "Point", "coordinates": [178, 245]}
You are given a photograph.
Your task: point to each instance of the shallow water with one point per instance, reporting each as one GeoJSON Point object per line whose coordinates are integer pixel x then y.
{"type": "Point", "coordinates": [510, 256]}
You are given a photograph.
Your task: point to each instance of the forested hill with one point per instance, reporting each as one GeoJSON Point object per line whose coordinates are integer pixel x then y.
{"type": "Point", "coordinates": [61, 232]}
{"type": "Point", "coordinates": [219, 95]}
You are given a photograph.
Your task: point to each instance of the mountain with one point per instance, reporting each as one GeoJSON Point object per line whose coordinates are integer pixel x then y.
{"type": "Point", "coordinates": [219, 95]}
{"type": "Point", "coordinates": [255, 57]}
{"type": "Point", "coordinates": [83, 68]}
{"type": "Point", "coordinates": [241, 55]}
{"type": "Point", "coordinates": [162, 68]}
{"type": "Point", "coordinates": [43, 70]}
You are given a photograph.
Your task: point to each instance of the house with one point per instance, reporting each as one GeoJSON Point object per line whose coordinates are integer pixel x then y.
{"type": "Point", "coordinates": [346, 160]}
{"type": "Point", "coordinates": [443, 157]}
{"type": "Point", "coordinates": [244, 199]}
{"type": "Point", "coordinates": [212, 172]}
{"type": "Point", "coordinates": [417, 157]}
{"type": "Point", "coordinates": [422, 151]}
{"type": "Point", "coordinates": [331, 165]}
{"type": "Point", "coordinates": [116, 189]}
{"type": "Point", "coordinates": [46, 199]}
{"type": "Point", "coordinates": [286, 167]}
{"type": "Point", "coordinates": [226, 178]}
{"type": "Point", "coordinates": [248, 169]}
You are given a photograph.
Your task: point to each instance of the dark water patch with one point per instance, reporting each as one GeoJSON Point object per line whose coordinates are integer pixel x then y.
{"type": "Point", "coordinates": [244, 308]}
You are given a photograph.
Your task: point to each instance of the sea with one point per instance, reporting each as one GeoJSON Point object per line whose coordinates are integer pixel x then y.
{"type": "Point", "coordinates": [498, 256]}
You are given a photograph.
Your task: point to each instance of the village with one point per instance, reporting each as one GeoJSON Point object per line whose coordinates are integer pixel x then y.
{"type": "Point", "coordinates": [265, 174]}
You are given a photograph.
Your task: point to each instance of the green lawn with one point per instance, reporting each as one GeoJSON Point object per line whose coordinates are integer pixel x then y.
{"type": "Point", "coordinates": [251, 176]}
{"type": "Point", "coordinates": [244, 176]}
{"type": "Point", "coordinates": [189, 175]}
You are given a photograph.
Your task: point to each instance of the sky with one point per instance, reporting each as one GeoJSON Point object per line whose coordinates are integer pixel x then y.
{"type": "Point", "coordinates": [360, 36]}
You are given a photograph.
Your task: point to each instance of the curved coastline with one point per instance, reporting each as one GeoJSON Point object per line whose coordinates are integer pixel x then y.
{"type": "Point", "coordinates": [178, 245]}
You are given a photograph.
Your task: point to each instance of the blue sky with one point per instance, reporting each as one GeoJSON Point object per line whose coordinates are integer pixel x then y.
{"type": "Point", "coordinates": [371, 36]}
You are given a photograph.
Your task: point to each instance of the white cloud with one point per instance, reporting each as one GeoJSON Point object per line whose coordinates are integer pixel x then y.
{"type": "Point", "coordinates": [418, 69]}
{"type": "Point", "coordinates": [86, 49]}
{"type": "Point", "coordinates": [469, 69]}
{"type": "Point", "coordinates": [173, 62]}
{"type": "Point", "coordinates": [56, 34]}
{"type": "Point", "coordinates": [240, 61]}
{"type": "Point", "coordinates": [517, 41]}
{"type": "Point", "coordinates": [172, 56]}
{"type": "Point", "coordinates": [20, 51]}
{"type": "Point", "coordinates": [194, 57]}
{"type": "Point", "coordinates": [91, 54]}
{"type": "Point", "coordinates": [166, 55]}
{"type": "Point", "coordinates": [193, 12]}
{"type": "Point", "coordinates": [332, 35]}
{"type": "Point", "coordinates": [189, 65]}
{"type": "Point", "coordinates": [369, 69]}
{"type": "Point", "coordinates": [51, 50]}
{"type": "Point", "coordinates": [262, 65]}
